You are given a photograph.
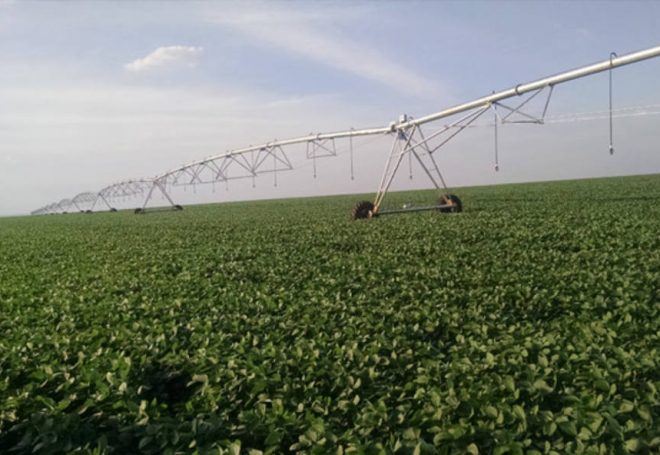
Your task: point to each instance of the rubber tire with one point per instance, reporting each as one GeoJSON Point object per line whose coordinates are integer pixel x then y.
{"type": "Point", "coordinates": [456, 204]}
{"type": "Point", "coordinates": [178, 207]}
{"type": "Point", "coordinates": [113, 210]}
{"type": "Point", "coordinates": [362, 210]}
{"type": "Point", "coordinates": [139, 211]}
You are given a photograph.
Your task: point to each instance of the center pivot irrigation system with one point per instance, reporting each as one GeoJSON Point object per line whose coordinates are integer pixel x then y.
{"type": "Point", "coordinates": [418, 139]}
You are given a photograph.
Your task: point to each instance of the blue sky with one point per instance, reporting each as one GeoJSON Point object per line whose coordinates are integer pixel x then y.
{"type": "Point", "coordinates": [94, 92]}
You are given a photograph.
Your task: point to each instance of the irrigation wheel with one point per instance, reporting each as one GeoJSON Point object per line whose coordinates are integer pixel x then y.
{"type": "Point", "coordinates": [454, 203]}
{"type": "Point", "coordinates": [362, 210]}
{"type": "Point", "coordinates": [139, 211]}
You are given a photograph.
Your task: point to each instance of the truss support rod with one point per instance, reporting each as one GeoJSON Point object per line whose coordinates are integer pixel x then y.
{"type": "Point", "coordinates": [517, 109]}
{"type": "Point", "coordinates": [426, 170]}
{"type": "Point", "coordinates": [461, 126]}
{"type": "Point", "coordinates": [387, 167]}
{"type": "Point", "coordinates": [161, 187]}
{"type": "Point", "coordinates": [104, 200]}
{"type": "Point", "coordinates": [146, 200]}
{"type": "Point", "coordinates": [435, 164]}
{"type": "Point", "coordinates": [547, 102]}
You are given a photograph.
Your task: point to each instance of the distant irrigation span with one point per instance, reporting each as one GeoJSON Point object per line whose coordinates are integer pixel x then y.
{"type": "Point", "coordinates": [417, 139]}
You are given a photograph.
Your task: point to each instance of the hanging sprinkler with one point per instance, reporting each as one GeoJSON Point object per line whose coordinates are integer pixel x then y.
{"type": "Point", "coordinates": [350, 144]}
{"type": "Point", "coordinates": [495, 119]}
{"type": "Point", "coordinates": [612, 56]}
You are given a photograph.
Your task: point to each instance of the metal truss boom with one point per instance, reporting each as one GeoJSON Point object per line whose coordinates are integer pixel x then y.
{"type": "Point", "coordinates": [252, 160]}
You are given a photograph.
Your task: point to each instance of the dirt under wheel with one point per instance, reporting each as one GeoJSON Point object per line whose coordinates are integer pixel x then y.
{"type": "Point", "coordinates": [453, 203]}
{"type": "Point", "coordinates": [362, 210]}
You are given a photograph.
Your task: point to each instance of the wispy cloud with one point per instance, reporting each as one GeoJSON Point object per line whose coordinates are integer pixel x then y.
{"type": "Point", "coordinates": [303, 34]}
{"type": "Point", "coordinates": [165, 57]}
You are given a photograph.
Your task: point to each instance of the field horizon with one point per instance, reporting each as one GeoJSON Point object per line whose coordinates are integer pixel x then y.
{"type": "Point", "coordinates": [369, 195]}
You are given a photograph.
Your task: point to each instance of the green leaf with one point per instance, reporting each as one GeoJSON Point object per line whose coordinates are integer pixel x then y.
{"type": "Point", "coordinates": [541, 386]}
{"type": "Point", "coordinates": [568, 428]}
{"type": "Point", "coordinates": [410, 434]}
{"type": "Point", "coordinates": [549, 428]}
{"type": "Point", "coordinates": [644, 413]}
{"type": "Point", "coordinates": [235, 448]}
{"type": "Point", "coordinates": [519, 412]}
{"type": "Point", "coordinates": [602, 385]}
{"type": "Point", "coordinates": [632, 445]}
{"type": "Point", "coordinates": [491, 411]}
{"type": "Point", "coordinates": [626, 406]}
{"type": "Point", "coordinates": [509, 383]}
{"type": "Point", "coordinates": [456, 431]}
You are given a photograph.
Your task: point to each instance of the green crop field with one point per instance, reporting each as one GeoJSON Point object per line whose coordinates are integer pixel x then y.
{"type": "Point", "coordinates": [526, 324]}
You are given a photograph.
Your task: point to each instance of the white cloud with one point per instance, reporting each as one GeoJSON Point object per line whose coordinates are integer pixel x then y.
{"type": "Point", "coordinates": [166, 56]}
{"type": "Point", "coordinates": [303, 35]}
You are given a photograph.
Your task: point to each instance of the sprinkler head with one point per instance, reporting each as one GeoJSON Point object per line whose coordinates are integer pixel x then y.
{"type": "Point", "coordinates": [611, 149]}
